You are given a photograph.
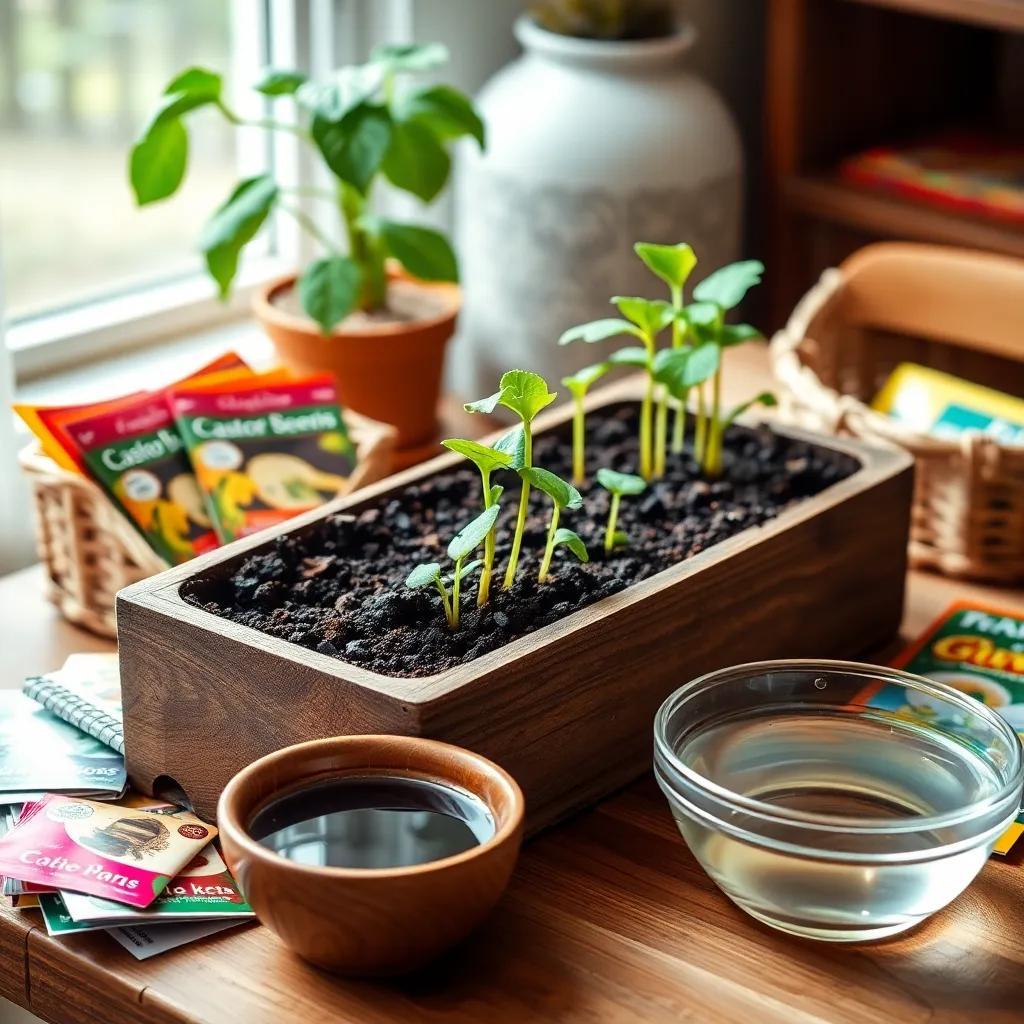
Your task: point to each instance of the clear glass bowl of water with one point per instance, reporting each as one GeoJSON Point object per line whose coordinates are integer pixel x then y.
{"type": "Point", "coordinates": [835, 800]}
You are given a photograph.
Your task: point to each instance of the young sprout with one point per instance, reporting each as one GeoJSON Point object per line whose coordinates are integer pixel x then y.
{"type": "Point", "coordinates": [486, 460]}
{"type": "Point", "coordinates": [673, 264]}
{"type": "Point", "coordinates": [644, 319]}
{"type": "Point", "coordinates": [525, 394]}
{"type": "Point", "coordinates": [562, 495]}
{"type": "Point", "coordinates": [722, 291]}
{"type": "Point", "coordinates": [579, 384]}
{"type": "Point", "coordinates": [617, 484]}
{"type": "Point", "coordinates": [680, 370]}
{"type": "Point", "coordinates": [430, 573]}
{"type": "Point", "coordinates": [464, 543]}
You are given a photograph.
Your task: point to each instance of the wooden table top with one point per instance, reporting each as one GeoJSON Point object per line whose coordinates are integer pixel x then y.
{"type": "Point", "coordinates": [608, 919]}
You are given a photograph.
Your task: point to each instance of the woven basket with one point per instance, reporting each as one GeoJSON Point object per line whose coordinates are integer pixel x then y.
{"type": "Point", "coordinates": [955, 310]}
{"type": "Point", "coordinates": [90, 550]}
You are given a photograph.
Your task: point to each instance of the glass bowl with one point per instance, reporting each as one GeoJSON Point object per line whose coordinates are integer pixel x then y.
{"type": "Point", "coordinates": [835, 800]}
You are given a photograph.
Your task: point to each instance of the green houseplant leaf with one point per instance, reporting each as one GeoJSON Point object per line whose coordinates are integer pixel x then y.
{"type": "Point", "coordinates": [234, 224]}
{"type": "Point", "coordinates": [354, 146]}
{"type": "Point", "coordinates": [416, 161]}
{"type": "Point", "coordinates": [727, 286]}
{"type": "Point", "coordinates": [157, 163]}
{"type": "Point", "coordinates": [560, 491]}
{"type": "Point", "coordinates": [347, 88]}
{"type": "Point", "coordinates": [621, 483]}
{"type": "Point", "coordinates": [573, 542]}
{"type": "Point", "coordinates": [425, 253]}
{"type": "Point", "coordinates": [672, 263]}
{"type": "Point", "coordinates": [278, 82]}
{"type": "Point", "coordinates": [472, 535]}
{"type": "Point", "coordinates": [444, 110]}
{"type": "Point", "coordinates": [328, 290]}
{"type": "Point", "coordinates": [410, 56]}
{"type": "Point", "coordinates": [598, 330]}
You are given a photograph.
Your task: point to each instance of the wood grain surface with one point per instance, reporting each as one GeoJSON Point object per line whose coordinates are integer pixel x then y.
{"type": "Point", "coordinates": [608, 920]}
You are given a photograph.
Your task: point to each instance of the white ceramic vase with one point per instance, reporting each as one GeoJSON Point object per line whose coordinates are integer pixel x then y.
{"type": "Point", "coordinates": [591, 146]}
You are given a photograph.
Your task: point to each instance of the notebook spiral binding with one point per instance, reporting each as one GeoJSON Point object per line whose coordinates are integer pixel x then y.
{"type": "Point", "coordinates": [71, 708]}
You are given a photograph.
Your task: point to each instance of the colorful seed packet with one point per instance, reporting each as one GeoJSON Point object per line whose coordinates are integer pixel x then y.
{"type": "Point", "coordinates": [263, 449]}
{"type": "Point", "coordinates": [118, 853]}
{"type": "Point", "coordinates": [145, 941]}
{"type": "Point", "coordinates": [978, 650]}
{"type": "Point", "coordinates": [40, 753]}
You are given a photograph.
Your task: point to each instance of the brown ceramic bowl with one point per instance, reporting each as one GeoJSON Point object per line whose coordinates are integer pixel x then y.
{"type": "Point", "coordinates": [371, 921]}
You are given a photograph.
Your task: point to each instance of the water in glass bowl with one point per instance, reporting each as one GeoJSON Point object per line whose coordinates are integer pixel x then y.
{"type": "Point", "coordinates": [829, 883]}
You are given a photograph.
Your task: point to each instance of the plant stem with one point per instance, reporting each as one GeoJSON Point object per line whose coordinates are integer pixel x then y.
{"type": "Point", "coordinates": [702, 427]}
{"type": "Point", "coordinates": [661, 434]}
{"type": "Point", "coordinates": [524, 504]}
{"type": "Point", "coordinates": [484, 588]}
{"type": "Point", "coordinates": [714, 453]}
{"type": "Point", "coordinates": [549, 549]}
{"type": "Point", "coordinates": [364, 249]}
{"type": "Point", "coordinates": [645, 428]}
{"type": "Point", "coordinates": [679, 428]}
{"type": "Point", "coordinates": [609, 531]}
{"type": "Point", "coordinates": [267, 123]}
{"type": "Point", "coordinates": [579, 473]}
{"type": "Point", "coordinates": [310, 225]}
{"type": "Point", "coordinates": [443, 591]}
{"type": "Point", "coordinates": [456, 593]}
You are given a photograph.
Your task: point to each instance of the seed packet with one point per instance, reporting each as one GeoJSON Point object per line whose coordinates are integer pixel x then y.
{"type": "Point", "coordinates": [946, 406]}
{"type": "Point", "coordinates": [978, 650]}
{"type": "Point", "coordinates": [204, 889]}
{"type": "Point", "coordinates": [264, 449]}
{"type": "Point", "coordinates": [151, 940]}
{"type": "Point", "coordinates": [49, 423]}
{"type": "Point", "coordinates": [41, 753]}
{"type": "Point", "coordinates": [119, 853]}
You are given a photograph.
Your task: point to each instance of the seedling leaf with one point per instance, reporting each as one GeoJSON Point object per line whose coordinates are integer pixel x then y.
{"type": "Point", "coordinates": [471, 536]}
{"type": "Point", "coordinates": [651, 316]}
{"type": "Point", "coordinates": [736, 334]}
{"type": "Point", "coordinates": [727, 286]}
{"type": "Point", "coordinates": [632, 355]}
{"type": "Point", "coordinates": [672, 263]}
{"type": "Point", "coordinates": [525, 393]}
{"type": "Point", "coordinates": [621, 483]}
{"type": "Point", "coordinates": [495, 493]}
{"type": "Point", "coordinates": [485, 459]}
{"type": "Point", "coordinates": [573, 542]}
{"type": "Point", "coordinates": [513, 443]}
{"type": "Point", "coordinates": [580, 382]}
{"type": "Point", "coordinates": [468, 568]}
{"type": "Point", "coordinates": [700, 313]}
{"type": "Point", "coordinates": [766, 398]}
{"type": "Point", "coordinates": [423, 575]}
{"type": "Point", "coordinates": [598, 330]}
{"type": "Point", "coordinates": [702, 364]}
{"type": "Point", "coordinates": [560, 491]}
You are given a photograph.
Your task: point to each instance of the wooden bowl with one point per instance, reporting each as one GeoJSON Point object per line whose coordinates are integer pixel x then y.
{"type": "Point", "coordinates": [371, 921]}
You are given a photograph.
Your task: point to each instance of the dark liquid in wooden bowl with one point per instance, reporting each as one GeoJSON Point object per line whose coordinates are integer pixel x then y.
{"type": "Point", "coordinates": [373, 821]}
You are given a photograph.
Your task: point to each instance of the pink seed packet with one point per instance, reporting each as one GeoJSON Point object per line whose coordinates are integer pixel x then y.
{"type": "Point", "coordinates": [120, 853]}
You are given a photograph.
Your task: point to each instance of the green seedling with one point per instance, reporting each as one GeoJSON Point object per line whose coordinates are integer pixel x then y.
{"type": "Point", "coordinates": [430, 574]}
{"type": "Point", "coordinates": [579, 384]}
{"type": "Point", "coordinates": [715, 296]}
{"type": "Point", "coordinates": [562, 495]}
{"type": "Point", "coordinates": [673, 264]}
{"type": "Point", "coordinates": [525, 394]}
{"type": "Point", "coordinates": [463, 544]}
{"type": "Point", "coordinates": [486, 460]}
{"type": "Point", "coordinates": [617, 484]}
{"type": "Point", "coordinates": [643, 319]}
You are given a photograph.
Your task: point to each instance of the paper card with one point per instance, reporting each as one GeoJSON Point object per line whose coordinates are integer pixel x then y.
{"type": "Point", "coordinates": [119, 853]}
{"type": "Point", "coordinates": [145, 941]}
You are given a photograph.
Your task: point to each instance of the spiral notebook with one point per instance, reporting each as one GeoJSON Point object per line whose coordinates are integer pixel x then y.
{"type": "Point", "coordinates": [87, 693]}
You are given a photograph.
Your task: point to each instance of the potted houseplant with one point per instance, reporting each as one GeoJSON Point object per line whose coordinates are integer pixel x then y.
{"type": "Point", "coordinates": [378, 311]}
{"type": "Point", "coordinates": [486, 599]}
{"type": "Point", "coordinates": [598, 134]}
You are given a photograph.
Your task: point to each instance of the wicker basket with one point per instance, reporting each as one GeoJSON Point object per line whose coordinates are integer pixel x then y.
{"type": "Point", "coordinates": [955, 310]}
{"type": "Point", "coordinates": [90, 550]}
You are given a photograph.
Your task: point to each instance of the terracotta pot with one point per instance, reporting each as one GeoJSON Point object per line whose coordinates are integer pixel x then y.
{"type": "Point", "coordinates": [371, 921]}
{"type": "Point", "coordinates": [388, 371]}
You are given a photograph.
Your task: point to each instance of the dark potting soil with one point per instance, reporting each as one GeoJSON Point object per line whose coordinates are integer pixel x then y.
{"type": "Point", "coordinates": [340, 588]}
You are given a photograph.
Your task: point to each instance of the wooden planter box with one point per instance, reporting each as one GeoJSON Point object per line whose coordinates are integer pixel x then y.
{"type": "Point", "coordinates": [568, 709]}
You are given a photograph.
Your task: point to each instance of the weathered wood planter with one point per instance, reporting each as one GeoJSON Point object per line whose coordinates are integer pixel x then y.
{"type": "Point", "coordinates": [566, 709]}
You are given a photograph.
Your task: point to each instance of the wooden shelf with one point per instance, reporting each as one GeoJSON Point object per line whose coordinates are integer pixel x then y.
{"type": "Point", "coordinates": [1001, 14]}
{"type": "Point", "coordinates": [886, 216]}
